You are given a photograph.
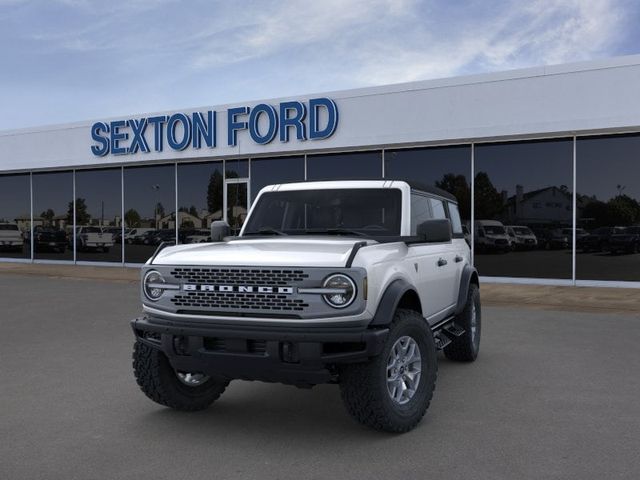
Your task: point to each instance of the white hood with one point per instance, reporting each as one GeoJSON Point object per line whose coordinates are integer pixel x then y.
{"type": "Point", "coordinates": [278, 251]}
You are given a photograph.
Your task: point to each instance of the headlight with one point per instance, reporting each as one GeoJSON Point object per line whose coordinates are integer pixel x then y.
{"type": "Point", "coordinates": [342, 290]}
{"type": "Point", "coordinates": [152, 285]}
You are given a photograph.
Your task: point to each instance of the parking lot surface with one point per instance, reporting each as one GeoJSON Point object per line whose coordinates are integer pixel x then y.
{"type": "Point", "coordinates": [552, 395]}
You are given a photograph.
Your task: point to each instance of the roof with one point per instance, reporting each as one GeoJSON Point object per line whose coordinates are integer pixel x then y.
{"type": "Point", "coordinates": [361, 183]}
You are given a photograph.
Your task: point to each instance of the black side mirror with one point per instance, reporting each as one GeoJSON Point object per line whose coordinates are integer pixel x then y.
{"type": "Point", "coordinates": [436, 230]}
{"type": "Point", "coordinates": [219, 230]}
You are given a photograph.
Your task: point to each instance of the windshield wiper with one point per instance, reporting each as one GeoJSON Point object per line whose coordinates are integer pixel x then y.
{"type": "Point", "coordinates": [335, 231]}
{"type": "Point", "coordinates": [266, 231]}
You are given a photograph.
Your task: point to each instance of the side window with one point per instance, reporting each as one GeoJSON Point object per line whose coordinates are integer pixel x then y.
{"type": "Point", "coordinates": [456, 223]}
{"type": "Point", "coordinates": [437, 208]}
{"type": "Point", "coordinates": [420, 211]}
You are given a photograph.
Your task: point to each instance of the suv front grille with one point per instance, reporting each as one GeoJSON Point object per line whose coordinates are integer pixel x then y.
{"type": "Point", "coordinates": [239, 301]}
{"type": "Point", "coordinates": [237, 276]}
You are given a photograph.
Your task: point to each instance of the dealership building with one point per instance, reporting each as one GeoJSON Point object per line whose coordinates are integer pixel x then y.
{"type": "Point", "coordinates": [545, 163]}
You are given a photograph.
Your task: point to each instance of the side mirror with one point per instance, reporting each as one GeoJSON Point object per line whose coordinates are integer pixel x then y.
{"type": "Point", "coordinates": [437, 230]}
{"type": "Point", "coordinates": [219, 230]}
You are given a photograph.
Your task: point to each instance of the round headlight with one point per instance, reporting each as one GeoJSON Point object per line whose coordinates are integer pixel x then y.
{"type": "Point", "coordinates": [343, 290]}
{"type": "Point", "coordinates": [152, 285]}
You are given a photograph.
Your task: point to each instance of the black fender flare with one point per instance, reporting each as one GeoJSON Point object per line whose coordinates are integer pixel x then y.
{"type": "Point", "coordinates": [389, 302]}
{"type": "Point", "coordinates": [469, 275]}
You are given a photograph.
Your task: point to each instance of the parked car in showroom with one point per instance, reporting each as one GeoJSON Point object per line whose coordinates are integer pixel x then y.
{"type": "Point", "coordinates": [11, 237]}
{"type": "Point", "coordinates": [552, 239]}
{"type": "Point", "coordinates": [93, 239]}
{"type": "Point", "coordinates": [354, 283]}
{"type": "Point", "coordinates": [598, 240]}
{"type": "Point", "coordinates": [199, 236]}
{"type": "Point", "coordinates": [522, 237]}
{"type": "Point", "coordinates": [49, 239]}
{"type": "Point", "coordinates": [625, 241]}
{"type": "Point", "coordinates": [491, 236]}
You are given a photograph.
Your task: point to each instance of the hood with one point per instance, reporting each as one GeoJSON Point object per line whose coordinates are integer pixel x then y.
{"type": "Point", "coordinates": [10, 234]}
{"type": "Point", "coordinates": [279, 251]}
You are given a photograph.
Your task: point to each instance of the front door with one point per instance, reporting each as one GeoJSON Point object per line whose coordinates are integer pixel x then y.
{"type": "Point", "coordinates": [237, 200]}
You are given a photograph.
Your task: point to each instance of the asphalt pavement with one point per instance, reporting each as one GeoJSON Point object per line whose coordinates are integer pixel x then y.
{"type": "Point", "coordinates": [552, 395]}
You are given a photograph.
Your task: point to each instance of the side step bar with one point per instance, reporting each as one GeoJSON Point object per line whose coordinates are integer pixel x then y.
{"type": "Point", "coordinates": [445, 332]}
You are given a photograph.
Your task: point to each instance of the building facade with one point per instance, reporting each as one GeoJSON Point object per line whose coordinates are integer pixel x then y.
{"type": "Point", "coordinates": [553, 149]}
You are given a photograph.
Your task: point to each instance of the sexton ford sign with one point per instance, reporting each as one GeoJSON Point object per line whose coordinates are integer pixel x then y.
{"type": "Point", "coordinates": [312, 120]}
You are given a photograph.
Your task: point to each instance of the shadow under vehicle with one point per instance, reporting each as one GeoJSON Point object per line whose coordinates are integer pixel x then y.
{"type": "Point", "coordinates": [49, 239]}
{"type": "Point", "coordinates": [597, 240]}
{"type": "Point", "coordinates": [552, 239]}
{"type": "Point", "coordinates": [627, 241]}
{"type": "Point", "coordinates": [522, 238]}
{"type": "Point", "coordinates": [491, 236]}
{"type": "Point", "coordinates": [10, 237]}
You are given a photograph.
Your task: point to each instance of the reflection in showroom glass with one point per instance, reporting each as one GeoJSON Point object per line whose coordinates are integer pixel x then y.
{"type": "Point", "coordinates": [149, 210]}
{"type": "Point", "coordinates": [524, 209]}
{"type": "Point", "coordinates": [15, 216]}
{"type": "Point", "coordinates": [98, 210]}
{"type": "Point", "coordinates": [608, 208]}
{"type": "Point", "coordinates": [53, 216]}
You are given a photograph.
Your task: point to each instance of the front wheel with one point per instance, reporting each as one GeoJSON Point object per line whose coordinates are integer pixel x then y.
{"type": "Point", "coordinates": [178, 390]}
{"type": "Point", "coordinates": [391, 392]}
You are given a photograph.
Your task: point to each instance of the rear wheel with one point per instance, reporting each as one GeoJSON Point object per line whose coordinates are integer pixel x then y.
{"type": "Point", "coordinates": [187, 391]}
{"type": "Point", "coordinates": [465, 348]}
{"type": "Point", "coordinates": [392, 391]}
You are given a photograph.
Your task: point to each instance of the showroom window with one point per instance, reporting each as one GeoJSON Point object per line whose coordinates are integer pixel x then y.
{"type": "Point", "coordinates": [149, 210]}
{"type": "Point", "coordinates": [200, 194]}
{"type": "Point", "coordinates": [267, 171]}
{"type": "Point", "coordinates": [15, 216]}
{"type": "Point", "coordinates": [523, 209]}
{"type": "Point", "coordinates": [608, 208]}
{"type": "Point", "coordinates": [345, 166]}
{"type": "Point", "coordinates": [448, 168]}
{"type": "Point", "coordinates": [53, 216]}
{"type": "Point", "coordinates": [98, 231]}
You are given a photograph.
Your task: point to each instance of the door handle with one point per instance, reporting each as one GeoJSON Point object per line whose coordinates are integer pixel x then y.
{"type": "Point", "coordinates": [459, 258]}
{"type": "Point", "coordinates": [442, 262]}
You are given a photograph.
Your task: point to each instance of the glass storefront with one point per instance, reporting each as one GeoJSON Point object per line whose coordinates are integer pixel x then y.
{"type": "Point", "coordinates": [267, 171]}
{"type": "Point", "coordinates": [98, 227]}
{"type": "Point", "coordinates": [523, 203]}
{"type": "Point", "coordinates": [608, 208]}
{"type": "Point", "coordinates": [448, 168]}
{"type": "Point", "coordinates": [345, 166]}
{"type": "Point", "coordinates": [15, 216]}
{"type": "Point", "coordinates": [200, 200]}
{"type": "Point", "coordinates": [524, 209]}
{"type": "Point", "coordinates": [53, 216]}
{"type": "Point", "coordinates": [149, 210]}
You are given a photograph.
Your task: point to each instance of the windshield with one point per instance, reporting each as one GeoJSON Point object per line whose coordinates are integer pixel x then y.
{"type": "Point", "coordinates": [522, 231]}
{"type": "Point", "coordinates": [8, 227]}
{"type": "Point", "coordinates": [364, 212]}
{"type": "Point", "coordinates": [493, 230]}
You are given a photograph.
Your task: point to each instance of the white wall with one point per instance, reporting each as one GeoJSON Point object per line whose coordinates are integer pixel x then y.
{"type": "Point", "coordinates": [583, 98]}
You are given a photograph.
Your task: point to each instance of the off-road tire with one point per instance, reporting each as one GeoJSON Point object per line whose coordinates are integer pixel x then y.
{"type": "Point", "coordinates": [466, 347]}
{"type": "Point", "coordinates": [158, 380]}
{"type": "Point", "coordinates": [364, 385]}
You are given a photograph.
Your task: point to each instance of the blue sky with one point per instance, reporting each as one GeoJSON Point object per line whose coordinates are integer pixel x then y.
{"type": "Point", "coordinates": [70, 60]}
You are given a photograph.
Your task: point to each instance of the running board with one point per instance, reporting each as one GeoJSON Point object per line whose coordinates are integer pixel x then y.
{"type": "Point", "coordinates": [445, 332]}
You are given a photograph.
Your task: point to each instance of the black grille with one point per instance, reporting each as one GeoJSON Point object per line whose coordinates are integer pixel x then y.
{"type": "Point", "coordinates": [255, 347]}
{"type": "Point", "coordinates": [239, 301]}
{"type": "Point", "coordinates": [237, 276]}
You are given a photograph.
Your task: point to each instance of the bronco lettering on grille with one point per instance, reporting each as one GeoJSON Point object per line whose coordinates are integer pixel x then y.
{"type": "Point", "coordinates": [190, 287]}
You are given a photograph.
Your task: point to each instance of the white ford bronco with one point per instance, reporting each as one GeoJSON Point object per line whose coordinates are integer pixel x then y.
{"type": "Point", "coordinates": [357, 283]}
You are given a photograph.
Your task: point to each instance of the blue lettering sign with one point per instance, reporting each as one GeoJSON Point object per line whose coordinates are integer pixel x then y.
{"type": "Point", "coordinates": [313, 120]}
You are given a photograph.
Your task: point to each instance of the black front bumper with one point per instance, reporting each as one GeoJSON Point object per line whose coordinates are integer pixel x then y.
{"type": "Point", "coordinates": [294, 355]}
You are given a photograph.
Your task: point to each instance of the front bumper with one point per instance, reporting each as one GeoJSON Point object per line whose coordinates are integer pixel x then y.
{"type": "Point", "coordinates": [295, 355]}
